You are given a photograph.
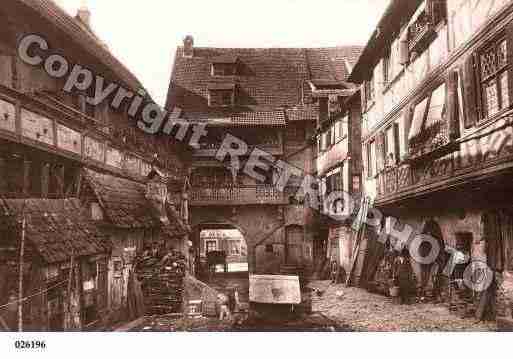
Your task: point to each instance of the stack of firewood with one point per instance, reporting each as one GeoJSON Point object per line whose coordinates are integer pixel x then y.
{"type": "Point", "coordinates": [162, 282]}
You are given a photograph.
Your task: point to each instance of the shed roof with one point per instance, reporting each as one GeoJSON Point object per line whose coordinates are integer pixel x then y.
{"type": "Point", "coordinates": [58, 228]}
{"type": "Point", "coordinates": [124, 201]}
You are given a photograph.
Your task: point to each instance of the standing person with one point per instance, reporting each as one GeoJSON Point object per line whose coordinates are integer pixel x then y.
{"type": "Point", "coordinates": [224, 311]}
{"type": "Point", "coordinates": [403, 276]}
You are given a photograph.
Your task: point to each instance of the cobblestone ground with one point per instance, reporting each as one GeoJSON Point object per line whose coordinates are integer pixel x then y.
{"type": "Point", "coordinates": [337, 309]}
{"type": "Point", "coordinates": [364, 311]}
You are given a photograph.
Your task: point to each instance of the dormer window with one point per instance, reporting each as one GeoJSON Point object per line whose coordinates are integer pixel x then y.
{"type": "Point", "coordinates": [224, 66]}
{"type": "Point", "coordinates": [223, 70]}
{"type": "Point", "coordinates": [221, 95]}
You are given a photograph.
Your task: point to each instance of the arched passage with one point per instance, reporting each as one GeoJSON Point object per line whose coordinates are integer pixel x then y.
{"type": "Point", "coordinates": [221, 252]}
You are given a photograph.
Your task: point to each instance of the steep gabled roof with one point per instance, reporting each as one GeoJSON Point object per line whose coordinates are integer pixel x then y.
{"type": "Point", "coordinates": [58, 229]}
{"type": "Point", "coordinates": [267, 81]}
{"type": "Point", "coordinates": [58, 18]}
{"type": "Point", "coordinates": [397, 12]}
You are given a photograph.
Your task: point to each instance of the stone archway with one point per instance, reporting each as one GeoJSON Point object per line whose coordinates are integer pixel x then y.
{"type": "Point", "coordinates": [257, 223]}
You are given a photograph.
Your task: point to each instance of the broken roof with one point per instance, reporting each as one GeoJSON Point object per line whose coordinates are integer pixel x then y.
{"type": "Point", "coordinates": [126, 206]}
{"type": "Point", "coordinates": [124, 201]}
{"type": "Point", "coordinates": [57, 228]}
{"type": "Point", "coordinates": [268, 80]}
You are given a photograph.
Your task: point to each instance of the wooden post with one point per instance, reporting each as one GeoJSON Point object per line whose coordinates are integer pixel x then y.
{"type": "Point", "coordinates": [60, 180]}
{"type": "Point", "coordinates": [20, 269]}
{"type": "Point", "coordinates": [45, 179]}
{"type": "Point", "coordinates": [3, 176]}
{"type": "Point", "coordinates": [26, 177]}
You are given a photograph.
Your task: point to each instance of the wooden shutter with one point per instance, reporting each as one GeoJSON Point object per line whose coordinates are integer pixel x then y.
{"type": "Point", "coordinates": [471, 96]}
{"type": "Point", "coordinates": [452, 104]}
{"type": "Point", "coordinates": [509, 34]}
{"type": "Point", "coordinates": [408, 118]}
{"type": "Point", "coordinates": [397, 148]}
{"type": "Point", "coordinates": [380, 151]}
{"type": "Point", "coordinates": [365, 160]}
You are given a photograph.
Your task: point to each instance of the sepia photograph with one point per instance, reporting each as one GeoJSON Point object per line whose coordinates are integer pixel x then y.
{"type": "Point", "coordinates": [245, 168]}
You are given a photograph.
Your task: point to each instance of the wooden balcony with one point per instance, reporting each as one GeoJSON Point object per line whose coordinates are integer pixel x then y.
{"type": "Point", "coordinates": [394, 179]}
{"type": "Point", "coordinates": [230, 196]}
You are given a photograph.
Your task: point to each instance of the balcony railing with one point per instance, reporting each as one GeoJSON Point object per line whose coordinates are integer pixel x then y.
{"type": "Point", "coordinates": [391, 180]}
{"type": "Point", "coordinates": [222, 196]}
{"type": "Point", "coordinates": [210, 150]}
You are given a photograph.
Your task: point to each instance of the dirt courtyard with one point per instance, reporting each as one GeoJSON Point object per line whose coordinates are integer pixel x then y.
{"type": "Point", "coordinates": [364, 311]}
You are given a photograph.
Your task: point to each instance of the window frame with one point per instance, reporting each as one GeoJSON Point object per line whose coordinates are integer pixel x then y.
{"type": "Point", "coordinates": [209, 242]}
{"type": "Point", "coordinates": [231, 93]}
{"type": "Point", "coordinates": [224, 67]}
{"type": "Point", "coordinates": [370, 91]}
{"type": "Point", "coordinates": [481, 81]}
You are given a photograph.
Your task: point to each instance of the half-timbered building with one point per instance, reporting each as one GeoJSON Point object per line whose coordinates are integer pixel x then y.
{"type": "Point", "coordinates": [436, 83]}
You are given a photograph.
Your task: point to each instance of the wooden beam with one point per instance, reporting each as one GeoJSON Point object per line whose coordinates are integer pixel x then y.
{"type": "Point", "coordinates": [45, 179]}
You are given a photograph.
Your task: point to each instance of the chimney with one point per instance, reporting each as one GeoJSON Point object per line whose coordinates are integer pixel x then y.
{"type": "Point", "coordinates": [188, 46]}
{"type": "Point", "coordinates": [84, 15]}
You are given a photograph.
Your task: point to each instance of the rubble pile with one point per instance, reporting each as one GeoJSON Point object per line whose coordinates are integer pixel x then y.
{"type": "Point", "coordinates": [162, 282]}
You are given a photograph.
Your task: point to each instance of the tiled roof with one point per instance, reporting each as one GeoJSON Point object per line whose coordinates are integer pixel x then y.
{"type": "Point", "coordinates": [268, 80]}
{"type": "Point", "coordinates": [225, 59]}
{"type": "Point", "coordinates": [332, 63]}
{"type": "Point", "coordinates": [54, 14]}
{"type": "Point", "coordinates": [58, 229]}
{"type": "Point", "coordinates": [123, 201]}
{"type": "Point", "coordinates": [222, 86]}
{"type": "Point", "coordinates": [126, 206]}
{"type": "Point", "coordinates": [303, 113]}
{"type": "Point", "coordinates": [268, 118]}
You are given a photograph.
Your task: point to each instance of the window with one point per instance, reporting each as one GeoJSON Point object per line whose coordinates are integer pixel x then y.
{"type": "Point", "coordinates": [328, 138]}
{"type": "Point", "coordinates": [392, 145]}
{"type": "Point", "coordinates": [369, 90]}
{"type": "Point", "coordinates": [323, 142]}
{"type": "Point", "coordinates": [338, 131]}
{"type": "Point", "coordinates": [211, 246]}
{"type": "Point", "coordinates": [387, 76]}
{"type": "Point", "coordinates": [493, 70]}
{"type": "Point", "coordinates": [223, 69]}
{"type": "Point", "coordinates": [371, 159]}
{"type": "Point", "coordinates": [235, 248]}
{"type": "Point", "coordinates": [269, 248]}
{"type": "Point", "coordinates": [221, 98]}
